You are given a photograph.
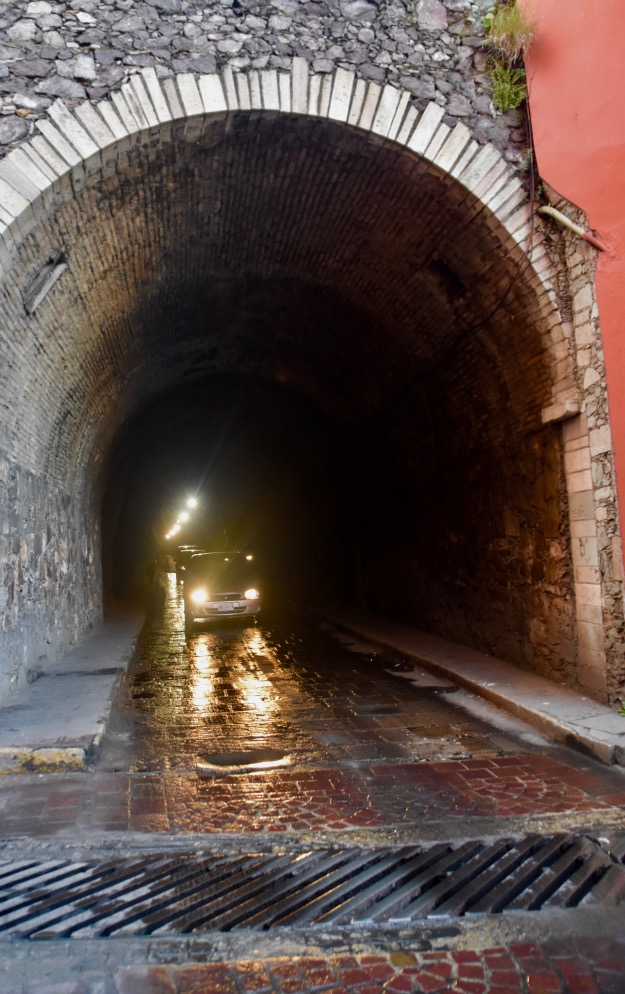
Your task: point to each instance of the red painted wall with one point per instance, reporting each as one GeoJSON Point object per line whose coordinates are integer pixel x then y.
{"type": "Point", "coordinates": [576, 79]}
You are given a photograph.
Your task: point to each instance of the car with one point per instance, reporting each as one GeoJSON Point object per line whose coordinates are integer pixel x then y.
{"type": "Point", "coordinates": [184, 554]}
{"type": "Point", "coordinates": [219, 585]}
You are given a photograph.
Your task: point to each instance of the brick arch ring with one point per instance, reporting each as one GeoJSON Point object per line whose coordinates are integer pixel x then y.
{"type": "Point", "coordinates": [75, 147]}
{"type": "Point", "coordinates": [78, 148]}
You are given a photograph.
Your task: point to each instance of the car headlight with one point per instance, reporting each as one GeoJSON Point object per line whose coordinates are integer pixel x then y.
{"type": "Point", "coordinates": [252, 594]}
{"type": "Point", "coordinates": [199, 596]}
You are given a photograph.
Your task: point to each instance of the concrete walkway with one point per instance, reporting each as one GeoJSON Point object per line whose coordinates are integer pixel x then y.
{"type": "Point", "coordinates": [563, 715]}
{"type": "Point", "coordinates": [57, 722]}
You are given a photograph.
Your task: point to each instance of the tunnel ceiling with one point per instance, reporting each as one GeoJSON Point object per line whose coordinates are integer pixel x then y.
{"type": "Point", "coordinates": [292, 249]}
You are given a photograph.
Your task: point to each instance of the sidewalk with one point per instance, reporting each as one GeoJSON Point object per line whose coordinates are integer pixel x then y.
{"type": "Point", "coordinates": [57, 722]}
{"type": "Point", "coordinates": [563, 715]}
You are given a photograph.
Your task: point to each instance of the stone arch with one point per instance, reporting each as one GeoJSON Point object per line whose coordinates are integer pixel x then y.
{"type": "Point", "coordinates": [76, 151]}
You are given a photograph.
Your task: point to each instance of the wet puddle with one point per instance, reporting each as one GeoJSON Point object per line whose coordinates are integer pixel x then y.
{"type": "Point", "coordinates": [220, 763]}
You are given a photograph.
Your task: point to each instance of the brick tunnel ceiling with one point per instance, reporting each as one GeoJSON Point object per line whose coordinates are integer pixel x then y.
{"type": "Point", "coordinates": [297, 251]}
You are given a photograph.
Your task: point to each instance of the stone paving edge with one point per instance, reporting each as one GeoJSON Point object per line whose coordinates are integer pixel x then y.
{"type": "Point", "coordinates": [606, 747]}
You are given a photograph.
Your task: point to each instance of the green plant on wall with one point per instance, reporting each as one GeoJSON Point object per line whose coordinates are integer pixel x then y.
{"type": "Point", "coordinates": [509, 86]}
{"type": "Point", "coordinates": [509, 35]}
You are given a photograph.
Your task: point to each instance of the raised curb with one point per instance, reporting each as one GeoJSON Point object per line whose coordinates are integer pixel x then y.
{"type": "Point", "coordinates": [56, 724]}
{"type": "Point", "coordinates": [562, 714]}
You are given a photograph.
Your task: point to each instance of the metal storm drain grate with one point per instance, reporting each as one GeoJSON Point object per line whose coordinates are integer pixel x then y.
{"type": "Point", "coordinates": [171, 896]}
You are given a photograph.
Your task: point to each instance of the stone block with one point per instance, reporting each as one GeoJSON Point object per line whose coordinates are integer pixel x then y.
{"type": "Point", "coordinates": [584, 529]}
{"type": "Point", "coordinates": [300, 86]}
{"type": "Point", "coordinates": [588, 593]}
{"type": "Point", "coordinates": [583, 298]}
{"type": "Point", "coordinates": [270, 89]}
{"type": "Point", "coordinates": [284, 86]}
{"type": "Point", "coordinates": [561, 411]}
{"type": "Point", "coordinates": [579, 482]}
{"type": "Point", "coordinates": [600, 440]}
{"type": "Point", "coordinates": [12, 201]}
{"type": "Point", "coordinates": [437, 141]}
{"type": "Point", "coordinates": [114, 122]}
{"type": "Point", "coordinates": [230, 89]}
{"type": "Point", "coordinates": [585, 551]}
{"type": "Point", "coordinates": [428, 123]}
{"type": "Point", "coordinates": [157, 96]}
{"type": "Point", "coordinates": [95, 125]}
{"type": "Point", "coordinates": [189, 95]}
{"type": "Point", "coordinates": [59, 144]}
{"type": "Point", "coordinates": [407, 126]}
{"type": "Point", "coordinates": [575, 428]}
{"type": "Point", "coordinates": [341, 95]}
{"type": "Point", "coordinates": [385, 114]}
{"type": "Point", "coordinates": [577, 459]}
{"type": "Point", "coordinates": [591, 613]}
{"type": "Point", "coordinates": [465, 159]}
{"type": "Point", "coordinates": [256, 93]}
{"type": "Point", "coordinates": [126, 114]}
{"type": "Point", "coordinates": [617, 558]}
{"type": "Point", "coordinates": [586, 574]}
{"type": "Point", "coordinates": [243, 90]}
{"type": "Point", "coordinates": [400, 114]}
{"type": "Point", "coordinates": [480, 167]}
{"type": "Point", "coordinates": [71, 128]}
{"type": "Point", "coordinates": [370, 106]}
{"type": "Point", "coordinates": [137, 89]}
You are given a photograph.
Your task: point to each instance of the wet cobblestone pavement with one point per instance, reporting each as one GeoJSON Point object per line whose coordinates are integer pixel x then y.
{"type": "Point", "coordinates": [523, 967]}
{"type": "Point", "coordinates": [346, 751]}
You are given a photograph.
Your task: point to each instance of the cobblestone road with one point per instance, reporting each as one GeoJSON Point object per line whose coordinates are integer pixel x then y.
{"type": "Point", "coordinates": [347, 750]}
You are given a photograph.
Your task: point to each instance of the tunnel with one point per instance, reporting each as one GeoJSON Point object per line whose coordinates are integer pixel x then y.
{"type": "Point", "coordinates": [330, 338]}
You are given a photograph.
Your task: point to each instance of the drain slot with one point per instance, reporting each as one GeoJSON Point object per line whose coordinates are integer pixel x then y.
{"type": "Point", "coordinates": [220, 763]}
{"type": "Point", "coordinates": [160, 895]}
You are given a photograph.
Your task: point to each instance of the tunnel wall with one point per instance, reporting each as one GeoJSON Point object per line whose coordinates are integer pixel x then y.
{"type": "Point", "coordinates": [57, 437]}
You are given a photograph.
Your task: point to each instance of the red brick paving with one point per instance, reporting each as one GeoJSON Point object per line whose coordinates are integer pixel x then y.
{"type": "Point", "coordinates": [522, 969]}
{"type": "Point", "coordinates": [305, 800]}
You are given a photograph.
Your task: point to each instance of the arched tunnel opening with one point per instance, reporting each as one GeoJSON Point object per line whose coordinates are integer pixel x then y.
{"type": "Point", "coordinates": [346, 338]}
{"type": "Point", "coordinates": [270, 475]}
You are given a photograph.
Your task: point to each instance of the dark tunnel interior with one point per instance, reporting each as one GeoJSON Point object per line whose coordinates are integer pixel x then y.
{"type": "Point", "coordinates": [271, 475]}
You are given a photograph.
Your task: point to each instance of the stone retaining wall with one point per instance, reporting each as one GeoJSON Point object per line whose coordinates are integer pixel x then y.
{"type": "Point", "coordinates": [85, 50]}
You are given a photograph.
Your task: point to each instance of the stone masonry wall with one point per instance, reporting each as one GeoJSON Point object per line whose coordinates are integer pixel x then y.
{"type": "Point", "coordinates": [593, 509]}
{"type": "Point", "coordinates": [49, 574]}
{"type": "Point", "coordinates": [87, 48]}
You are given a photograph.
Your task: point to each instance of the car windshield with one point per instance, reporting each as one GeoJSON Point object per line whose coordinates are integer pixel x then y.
{"type": "Point", "coordinates": [220, 566]}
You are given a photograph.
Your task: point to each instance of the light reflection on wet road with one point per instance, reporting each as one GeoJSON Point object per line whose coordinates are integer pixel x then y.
{"type": "Point", "coordinates": [290, 685]}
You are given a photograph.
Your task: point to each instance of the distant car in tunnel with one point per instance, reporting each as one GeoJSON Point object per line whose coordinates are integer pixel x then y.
{"type": "Point", "coordinates": [184, 554]}
{"type": "Point", "coordinates": [220, 585]}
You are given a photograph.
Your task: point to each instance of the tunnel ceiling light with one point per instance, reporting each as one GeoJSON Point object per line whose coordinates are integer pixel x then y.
{"type": "Point", "coordinates": [192, 502]}
{"type": "Point", "coordinates": [184, 516]}
{"type": "Point", "coordinates": [43, 283]}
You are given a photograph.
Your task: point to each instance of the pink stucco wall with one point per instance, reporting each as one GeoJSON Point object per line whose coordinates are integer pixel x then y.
{"type": "Point", "coordinates": [577, 101]}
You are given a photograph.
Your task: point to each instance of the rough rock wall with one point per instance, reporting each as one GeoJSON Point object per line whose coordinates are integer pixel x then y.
{"type": "Point", "coordinates": [85, 49]}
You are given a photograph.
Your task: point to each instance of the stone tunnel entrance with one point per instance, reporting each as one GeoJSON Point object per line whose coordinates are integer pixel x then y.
{"type": "Point", "coordinates": [377, 316]}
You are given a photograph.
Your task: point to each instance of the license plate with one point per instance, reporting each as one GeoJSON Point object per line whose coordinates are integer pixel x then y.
{"type": "Point", "coordinates": [228, 605]}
